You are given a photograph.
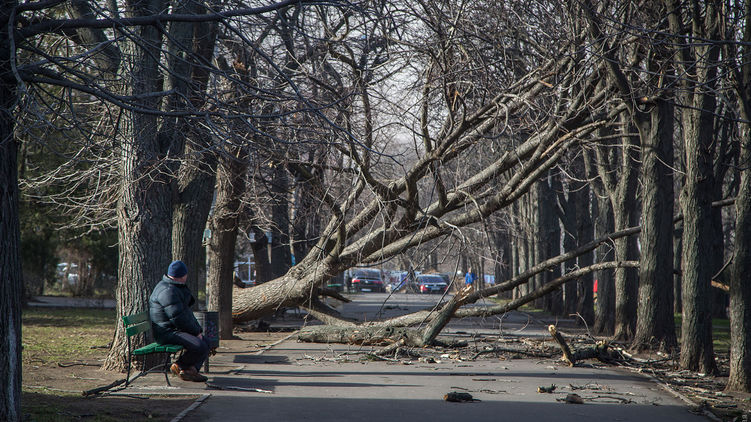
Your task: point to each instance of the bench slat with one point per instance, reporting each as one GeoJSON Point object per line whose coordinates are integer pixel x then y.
{"type": "Point", "coordinates": [139, 328]}
{"type": "Point", "coordinates": [157, 348]}
{"type": "Point", "coordinates": [136, 318]}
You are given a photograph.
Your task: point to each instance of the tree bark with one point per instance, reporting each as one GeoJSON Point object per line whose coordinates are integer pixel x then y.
{"type": "Point", "coordinates": [11, 286]}
{"type": "Point", "coordinates": [230, 183]}
{"type": "Point", "coordinates": [655, 328]}
{"type": "Point", "coordinates": [739, 378]}
{"type": "Point", "coordinates": [740, 290]}
{"type": "Point", "coordinates": [197, 173]}
{"type": "Point", "coordinates": [603, 224]}
{"type": "Point", "coordinates": [144, 209]}
{"type": "Point", "coordinates": [553, 301]}
{"type": "Point", "coordinates": [625, 214]}
{"type": "Point", "coordinates": [605, 303]}
{"type": "Point", "coordinates": [280, 249]}
{"type": "Point", "coordinates": [697, 352]}
{"type": "Point", "coordinates": [584, 235]}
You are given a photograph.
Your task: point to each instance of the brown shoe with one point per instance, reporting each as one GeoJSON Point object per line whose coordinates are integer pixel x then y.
{"type": "Point", "coordinates": [190, 374]}
{"type": "Point", "coordinates": [175, 369]}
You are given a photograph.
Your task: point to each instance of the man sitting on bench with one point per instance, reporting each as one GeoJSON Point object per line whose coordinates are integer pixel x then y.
{"type": "Point", "coordinates": [173, 322]}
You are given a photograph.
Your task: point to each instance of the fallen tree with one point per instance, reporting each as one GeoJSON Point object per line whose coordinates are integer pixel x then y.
{"type": "Point", "coordinates": [386, 333]}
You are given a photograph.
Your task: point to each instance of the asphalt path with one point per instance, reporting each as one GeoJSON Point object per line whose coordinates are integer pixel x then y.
{"type": "Point", "coordinates": [294, 381]}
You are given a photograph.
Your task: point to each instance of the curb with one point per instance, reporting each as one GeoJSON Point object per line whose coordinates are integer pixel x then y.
{"type": "Point", "coordinates": [190, 408]}
{"type": "Point", "coordinates": [678, 395]}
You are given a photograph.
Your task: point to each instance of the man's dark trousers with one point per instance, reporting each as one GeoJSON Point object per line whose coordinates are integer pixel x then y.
{"type": "Point", "coordinates": [196, 350]}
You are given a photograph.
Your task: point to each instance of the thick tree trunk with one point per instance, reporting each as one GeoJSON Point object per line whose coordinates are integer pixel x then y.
{"type": "Point", "coordinates": [144, 209]}
{"type": "Point", "coordinates": [195, 184]}
{"type": "Point", "coordinates": [655, 328]}
{"type": "Point", "coordinates": [696, 332]}
{"type": "Point", "coordinates": [11, 286]}
{"type": "Point", "coordinates": [739, 378]}
{"type": "Point", "coordinates": [740, 289]}
{"type": "Point", "coordinates": [230, 183]}
{"type": "Point", "coordinates": [697, 118]}
{"type": "Point", "coordinates": [197, 173]}
{"type": "Point", "coordinates": [293, 289]}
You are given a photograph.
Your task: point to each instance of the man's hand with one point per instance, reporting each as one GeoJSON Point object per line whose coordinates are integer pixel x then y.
{"type": "Point", "coordinates": [212, 352]}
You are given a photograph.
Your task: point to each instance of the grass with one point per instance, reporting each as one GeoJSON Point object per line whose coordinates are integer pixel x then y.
{"type": "Point", "coordinates": [52, 335]}
{"type": "Point", "coordinates": [65, 335]}
{"type": "Point", "coordinates": [720, 332]}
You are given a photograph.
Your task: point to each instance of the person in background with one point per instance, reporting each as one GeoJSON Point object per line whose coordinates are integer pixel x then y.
{"type": "Point", "coordinates": [469, 278]}
{"type": "Point", "coordinates": [173, 322]}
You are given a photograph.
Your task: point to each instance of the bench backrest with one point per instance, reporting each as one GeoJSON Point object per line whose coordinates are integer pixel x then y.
{"type": "Point", "coordinates": [137, 323]}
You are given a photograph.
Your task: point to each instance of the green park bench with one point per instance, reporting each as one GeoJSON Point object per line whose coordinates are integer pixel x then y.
{"type": "Point", "coordinates": [140, 323]}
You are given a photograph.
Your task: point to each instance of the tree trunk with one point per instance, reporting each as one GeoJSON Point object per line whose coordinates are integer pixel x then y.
{"type": "Point", "coordinates": [554, 300]}
{"type": "Point", "coordinates": [195, 186]}
{"type": "Point", "coordinates": [696, 331]}
{"type": "Point", "coordinates": [740, 290]}
{"type": "Point", "coordinates": [625, 214]}
{"type": "Point", "coordinates": [197, 173]}
{"type": "Point", "coordinates": [739, 378]}
{"type": "Point", "coordinates": [535, 252]}
{"type": "Point", "coordinates": [11, 287]}
{"type": "Point", "coordinates": [605, 309]}
{"type": "Point", "coordinates": [655, 328]}
{"type": "Point", "coordinates": [307, 221]}
{"type": "Point", "coordinates": [569, 219]}
{"type": "Point", "coordinates": [584, 235]}
{"type": "Point", "coordinates": [677, 260]}
{"type": "Point", "coordinates": [144, 209]}
{"type": "Point", "coordinates": [261, 257]}
{"type": "Point", "coordinates": [280, 251]}
{"type": "Point", "coordinates": [230, 183]}
{"type": "Point", "coordinates": [698, 97]}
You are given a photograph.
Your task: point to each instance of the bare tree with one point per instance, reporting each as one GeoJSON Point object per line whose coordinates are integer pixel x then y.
{"type": "Point", "coordinates": [697, 117]}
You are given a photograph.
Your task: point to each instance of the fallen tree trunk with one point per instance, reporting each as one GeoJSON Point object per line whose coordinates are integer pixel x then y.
{"type": "Point", "coordinates": [385, 335]}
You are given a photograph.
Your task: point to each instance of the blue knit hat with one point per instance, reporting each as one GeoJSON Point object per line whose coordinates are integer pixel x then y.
{"type": "Point", "coordinates": [177, 269]}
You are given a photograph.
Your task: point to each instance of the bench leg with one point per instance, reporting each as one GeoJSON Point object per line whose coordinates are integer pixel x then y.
{"type": "Point", "coordinates": [127, 376]}
{"type": "Point", "coordinates": [167, 368]}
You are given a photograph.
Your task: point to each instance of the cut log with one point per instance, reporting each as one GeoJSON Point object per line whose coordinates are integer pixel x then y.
{"type": "Point", "coordinates": [567, 355]}
{"type": "Point", "coordinates": [600, 351]}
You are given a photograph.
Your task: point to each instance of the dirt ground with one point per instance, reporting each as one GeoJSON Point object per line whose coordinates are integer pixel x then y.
{"type": "Point", "coordinates": [53, 392]}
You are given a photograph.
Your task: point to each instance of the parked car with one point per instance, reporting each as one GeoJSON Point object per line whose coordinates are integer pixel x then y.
{"type": "Point", "coordinates": [430, 283]}
{"type": "Point", "coordinates": [365, 280]}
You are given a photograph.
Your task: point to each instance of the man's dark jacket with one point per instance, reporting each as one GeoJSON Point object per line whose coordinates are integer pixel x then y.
{"type": "Point", "coordinates": [169, 309]}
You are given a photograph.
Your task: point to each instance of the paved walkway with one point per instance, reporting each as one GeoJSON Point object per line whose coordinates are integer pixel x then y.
{"type": "Point", "coordinates": [293, 381]}
{"type": "Point", "coordinates": [305, 384]}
